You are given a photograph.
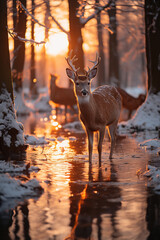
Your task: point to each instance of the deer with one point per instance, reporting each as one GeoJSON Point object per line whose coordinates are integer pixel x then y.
{"type": "Point", "coordinates": [61, 96]}
{"type": "Point", "coordinates": [129, 102]}
{"type": "Point", "coordinates": [97, 109]}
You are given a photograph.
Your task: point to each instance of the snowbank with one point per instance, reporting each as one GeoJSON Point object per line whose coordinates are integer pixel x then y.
{"type": "Point", "coordinates": [21, 106]}
{"type": "Point", "coordinates": [33, 140]}
{"type": "Point", "coordinates": [135, 91]}
{"type": "Point", "coordinates": [8, 167]}
{"type": "Point", "coordinates": [75, 127]}
{"type": "Point", "coordinates": [42, 104]}
{"type": "Point", "coordinates": [147, 116]}
{"type": "Point", "coordinates": [24, 105]}
{"type": "Point", "coordinates": [151, 144]}
{"type": "Point", "coordinates": [11, 131]}
{"type": "Point", "coordinates": [153, 175]}
{"type": "Point", "coordinates": [13, 190]}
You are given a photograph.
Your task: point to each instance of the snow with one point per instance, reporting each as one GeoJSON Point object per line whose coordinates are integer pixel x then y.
{"type": "Point", "coordinates": [12, 189]}
{"type": "Point", "coordinates": [147, 116]}
{"type": "Point", "coordinates": [153, 175]}
{"type": "Point", "coordinates": [42, 104]}
{"type": "Point", "coordinates": [135, 91]}
{"type": "Point", "coordinates": [21, 106]}
{"type": "Point", "coordinates": [151, 144]}
{"type": "Point", "coordinates": [74, 127]}
{"type": "Point", "coordinates": [8, 167]}
{"type": "Point", "coordinates": [24, 106]}
{"type": "Point", "coordinates": [33, 140]}
{"type": "Point", "coordinates": [8, 123]}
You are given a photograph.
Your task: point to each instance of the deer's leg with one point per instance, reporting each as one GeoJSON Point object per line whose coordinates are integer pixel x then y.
{"type": "Point", "coordinates": [56, 111]}
{"type": "Point", "coordinates": [90, 144]}
{"type": "Point", "coordinates": [65, 110]}
{"type": "Point", "coordinates": [101, 137]}
{"type": "Point", "coordinates": [112, 134]}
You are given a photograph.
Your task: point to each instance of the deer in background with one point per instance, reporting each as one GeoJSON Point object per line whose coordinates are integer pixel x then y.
{"type": "Point", "coordinates": [61, 96]}
{"type": "Point", "coordinates": [98, 109]}
{"type": "Point", "coordinates": [129, 102]}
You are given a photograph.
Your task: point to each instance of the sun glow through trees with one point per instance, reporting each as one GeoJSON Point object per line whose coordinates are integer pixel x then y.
{"type": "Point", "coordinates": [57, 44]}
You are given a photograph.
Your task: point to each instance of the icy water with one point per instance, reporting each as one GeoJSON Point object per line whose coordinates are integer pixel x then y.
{"type": "Point", "coordinates": [91, 202]}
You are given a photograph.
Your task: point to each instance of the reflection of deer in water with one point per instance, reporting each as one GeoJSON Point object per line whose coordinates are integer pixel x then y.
{"type": "Point", "coordinates": [61, 96]}
{"type": "Point", "coordinates": [98, 109]}
{"type": "Point", "coordinates": [129, 102]}
{"type": "Point", "coordinates": [93, 200]}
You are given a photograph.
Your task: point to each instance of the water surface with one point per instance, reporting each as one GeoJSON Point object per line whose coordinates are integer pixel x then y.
{"type": "Point", "coordinates": [82, 199]}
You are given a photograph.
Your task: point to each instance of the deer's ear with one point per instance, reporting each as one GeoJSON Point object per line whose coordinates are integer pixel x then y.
{"type": "Point", "coordinates": [92, 73]}
{"type": "Point", "coordinates": [70, 74]}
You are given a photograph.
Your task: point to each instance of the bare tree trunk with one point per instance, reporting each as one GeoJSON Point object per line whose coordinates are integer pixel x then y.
{"type": "Point", "coordinates": [14, 18]}
{"type": "Point", "coordinates": [47, 23]}
{"type": "Point", "coordinates": [19, 51]}
{"type": "Point", "coordinates": [76, 40]}
{"type": "Point", "coordinates": [33, 80]}
{"type": "Point", "coordinates": [152, 34]}
{"type": "Point", "coordinates": [5, 69]}
{"type": "Point", "coordinates": [101, 70]}
{"type": "Point", "coordinates": [11, 132]}
{"type": "Point", "coordinates": [113, 47]}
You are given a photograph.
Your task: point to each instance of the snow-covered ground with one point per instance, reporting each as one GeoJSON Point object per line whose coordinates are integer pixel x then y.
{"type": "Point", "coordinates": [12, 189]}
{"type": "Point", "coordinates": [147, 117]}
{"type": "Point", "coordinates": [8, 122]}
{"type": "Point", "coordinates": [153, 175]}
{"type": "Point", "coordinates": [25, 106]}
{"type": "Point", "coordinates": [33, 140]}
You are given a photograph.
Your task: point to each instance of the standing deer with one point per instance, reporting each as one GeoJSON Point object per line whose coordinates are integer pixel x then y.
{"type": "Point", "coordinates": [61, 96]}
{"type": "Point", "coordinates": [98, 109]}
{"type": "Point", "coordinates": [129, 102]}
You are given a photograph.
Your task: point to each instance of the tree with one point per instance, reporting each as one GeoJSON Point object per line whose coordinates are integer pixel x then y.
{"type": "Point", "coordinates": [5, 70]}
{"type": "Point", "coordinates": [19, 47]}
{"type": "Point", "coordinates": [33, 82]}
{"type": "Point", "coordinates": [75, 38]}
{"type": "Point", "coordinates": [11, 132]}
{"type": "Point", "coordinates": [113, 46]}
{"type": "Point", "coordinates": [152, 35]}
{"type": "Point", "coordinates": [101, 72]}
{"type": "Point", "coordinates": [77, 22]}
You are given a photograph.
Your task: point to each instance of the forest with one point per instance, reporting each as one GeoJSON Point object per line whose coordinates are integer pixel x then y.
{"type": "Point", "coordinates": [46, 133]}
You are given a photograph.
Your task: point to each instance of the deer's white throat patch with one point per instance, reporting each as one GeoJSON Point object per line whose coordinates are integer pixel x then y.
{"type": "Point", "coordinates": [83, 99]}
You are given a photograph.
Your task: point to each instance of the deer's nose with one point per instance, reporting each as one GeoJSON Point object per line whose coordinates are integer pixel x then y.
{"type": "Point", "coordinates": [84, 92]}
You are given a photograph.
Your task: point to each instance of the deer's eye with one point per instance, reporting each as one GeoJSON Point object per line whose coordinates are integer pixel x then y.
{"type": "Point", "coordinates": [77, 83]}
{"type": "Point", "coordinates": [88, 83]}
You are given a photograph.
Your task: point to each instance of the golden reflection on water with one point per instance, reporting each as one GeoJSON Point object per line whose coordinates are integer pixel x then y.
{"type": "Point", "coordinates": [112, 197]}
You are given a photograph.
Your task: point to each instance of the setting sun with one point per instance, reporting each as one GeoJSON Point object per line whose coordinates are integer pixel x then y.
{"type": "Point", "coordinates": [57, 44]}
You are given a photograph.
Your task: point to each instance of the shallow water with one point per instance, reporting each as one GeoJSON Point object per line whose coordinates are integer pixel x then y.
{"type": "Point", "coordinates": [107, 202]}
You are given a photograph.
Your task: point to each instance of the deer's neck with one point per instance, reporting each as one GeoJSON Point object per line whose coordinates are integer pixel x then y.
{"type": "Point", "coordinates": [55, 87]}
{"type": "Point", "coordinates": [87, 108]}
{"type": "Point", "coordinates": [55, 92]}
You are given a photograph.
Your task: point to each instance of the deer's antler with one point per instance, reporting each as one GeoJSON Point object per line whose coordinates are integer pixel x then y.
{"type": "Point", "coordinates": [70, 61]}
{"type": "Point", "coordinates": [96, 62]}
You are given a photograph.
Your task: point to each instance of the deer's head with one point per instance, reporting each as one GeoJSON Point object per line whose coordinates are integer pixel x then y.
{"type": "Point", "coordinates": [81, 81]}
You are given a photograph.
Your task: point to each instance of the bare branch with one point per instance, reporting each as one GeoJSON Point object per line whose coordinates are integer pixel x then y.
{"type": "Point", "coordinates": [56, 22]}
{"type": "Point", "coordinates": [28, 13]}
{"type": "Point", "coordinates": [14, 35]}
{"type": "Point", "coordinates": [98, 10]}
